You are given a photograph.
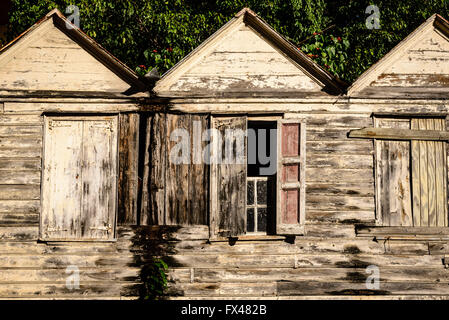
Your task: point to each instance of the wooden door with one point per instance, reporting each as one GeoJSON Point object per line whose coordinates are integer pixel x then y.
{"type": "Point", "coordinates": [79, 188]}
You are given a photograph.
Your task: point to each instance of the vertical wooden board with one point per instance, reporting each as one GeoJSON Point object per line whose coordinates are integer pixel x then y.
{"type": "Point", "coordinates": [395, 184]}
{"type": "Point", "coordinates": [431, 163]}
{"type": "Point", "coordinates": [145, 198]}
{"type": "Point", "coordinates": [423, 171]}
{"type": "Point", "coordinates": [440, 181]}
{"type": "Point", "coordinates": [153, 192]}
{"type": "Point", "coordinates": [384, 175]}
{"type": "Point", "coordinates": [400, 178]}
{"type": "Point", "coordinates": [99, 172]}
{"type": "Point", "coordinates": [228, 180]}
{"type": "Point", "coordinates": [128, 168]}
{"type": "Point", "coordinates": [198, 178]}
{"type": "Point", "coordinates": [177, 174]}
{"type": "Point", "coordinates": [62, 181]}
{"type": "Point", "coordinates": [291, 177]}
{"type": "Point", "coordinates": [416, 182]}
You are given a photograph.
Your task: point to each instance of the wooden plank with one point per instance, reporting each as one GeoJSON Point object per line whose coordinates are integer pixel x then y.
{"type": "Point", "coordinates": [340, 147]}
{"type": "Point", "coordinates": [431, 158]}
{"type": "Point", "coordinates": [177, 204]}
{"type": "Point", "coordinates": [62, 180]}
{"type": "Point", "coordinates": [27, 108]}
{"type": "Point", "coordinates": [339, 202]}
{"type": "Point", "coordinates": [199, 173]}
{"type": "Point", "coordinates": [340, 161]}
{"type": "Point", "coordinates": [20, 164]}
{"type": "Point", "coordinates": [424, 180]}
{"type": "Point", "coordinates": [345, 275]}
{"type": "Point", "coordinates": [372, 231]}
{"type": "Point", "coordinates": [16, 218]}
{"type": "Point", "coordinates": [332, 175]}
{"type": "Point", "coordinates": [128, 170]}
{"type": "Point", "coordinates": [99, 179]}
{"type": "Point", "coordinates": [20, 192]}
{"type": "Point", "coordinates": [416, 185]}
{"type": "Point", "coordinates": [26, 177]}
{"type": "Point", "coordinates": [20, 130]}
{"type": "Point", "coordinates": [153, 196]}
{"type": "Point", "coordinates": [337, 288]}
{"type": "Point", "coordinates": [429, 134]}
{"type": "Point", "coordinates": [440, 178]}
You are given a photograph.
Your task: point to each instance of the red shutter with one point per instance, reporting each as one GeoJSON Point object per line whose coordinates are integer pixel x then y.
{"type": "Point", "coordinates": [290, 177]}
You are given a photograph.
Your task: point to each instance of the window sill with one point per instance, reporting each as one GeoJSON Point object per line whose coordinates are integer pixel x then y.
{"type": "Point", "coordinates": [59, 241]}
{"type": "Point", "coordinates": [406, 233]}
{"type": "Point", "coordinates": [253, 237]}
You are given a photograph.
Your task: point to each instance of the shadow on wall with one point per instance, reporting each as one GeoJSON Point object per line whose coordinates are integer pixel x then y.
{"type": "Point", "coordinates": [151, 247]}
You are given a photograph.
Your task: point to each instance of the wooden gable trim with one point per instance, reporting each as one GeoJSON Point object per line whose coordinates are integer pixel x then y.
{"type": "Point", "coordinates": [399, 134]}
{"type": "Point", "coordinates": [434, 22]}
{"type": "Point", "coordinates": [330, 84]}
{"type": "Point", "coordinates": [57, 19]}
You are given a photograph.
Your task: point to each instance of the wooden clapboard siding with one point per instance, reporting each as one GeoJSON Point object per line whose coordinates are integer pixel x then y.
{"type": "Point", "coordinates": [174, 194]}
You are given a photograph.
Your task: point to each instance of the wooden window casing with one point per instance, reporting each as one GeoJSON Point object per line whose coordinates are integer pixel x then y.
{"type": "Point", "coordinates": [290, 198]}
{"type": "Point", "coordinates": [79, 178]}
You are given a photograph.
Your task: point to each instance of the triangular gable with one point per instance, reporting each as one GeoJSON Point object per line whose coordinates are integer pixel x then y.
{"type": "Point", "coordinates": [417, 67]}
{"type": "Point", "coordinates": [55, 56]}
{"type": "Point", "coordinates": [246, 56]}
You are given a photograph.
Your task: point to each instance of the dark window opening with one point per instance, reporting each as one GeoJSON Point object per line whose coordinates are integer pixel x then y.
{"type": "Point", "coordinates": [261, 186]}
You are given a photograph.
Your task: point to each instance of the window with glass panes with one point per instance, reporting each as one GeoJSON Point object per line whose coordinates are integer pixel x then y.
{"type": "Point", "coordinates": [261, 189]}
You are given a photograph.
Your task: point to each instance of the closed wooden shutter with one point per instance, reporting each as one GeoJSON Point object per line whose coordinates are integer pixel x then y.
{"type": "Point", "coordinates": [228, 177]}
{"type": "Point", "coordinates": [79, 188]}
{"type": "Point", "coordinates": [429, 169]}
{"type": "Point", "coordinates": [291, 177]}
{"type": "Point", "coordinates": [411, 176]}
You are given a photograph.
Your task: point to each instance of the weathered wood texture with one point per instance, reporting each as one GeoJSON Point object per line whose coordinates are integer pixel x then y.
{"type": "Point", "coordinates": [128, 170]}
{"type": "Point", "coordinates": [79, 188]}
{"type": "Point", "coordinates": [411, 176]}
{"type": "Point", "coordinates": [241, 61]}
{"type": "Point", "coordinates": [291, 177]}
{"type": "Point", "coordinates": [228, 176]}
{"type": "Point", "coordinates": [417, 67]}
{"type": "Point", "coordinates": [175, 193]}
{"type": "Point", "coordinates": [49, 60]}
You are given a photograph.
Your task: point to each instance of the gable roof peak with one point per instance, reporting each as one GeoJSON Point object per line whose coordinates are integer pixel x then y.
{"type": "Point", "coordinates": [244, 11]}
{"type": "Point", "coordinates": [434, 21]}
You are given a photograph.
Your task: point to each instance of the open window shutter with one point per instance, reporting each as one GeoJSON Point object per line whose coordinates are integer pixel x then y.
{"type": "Point", "coordinates": [291, 177]}
{"type": "Point", "coordinates": [228, 177]}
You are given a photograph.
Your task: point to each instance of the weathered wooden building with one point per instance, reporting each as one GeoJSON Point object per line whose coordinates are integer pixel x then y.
{"type": "Point", "coordinates": [68, 167]}
{"type": "Point", "coordinates": [98, 174]}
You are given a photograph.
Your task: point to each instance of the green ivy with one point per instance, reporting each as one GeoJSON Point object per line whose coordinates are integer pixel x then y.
{"type": "Point", "coordinates": [154, 279]}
